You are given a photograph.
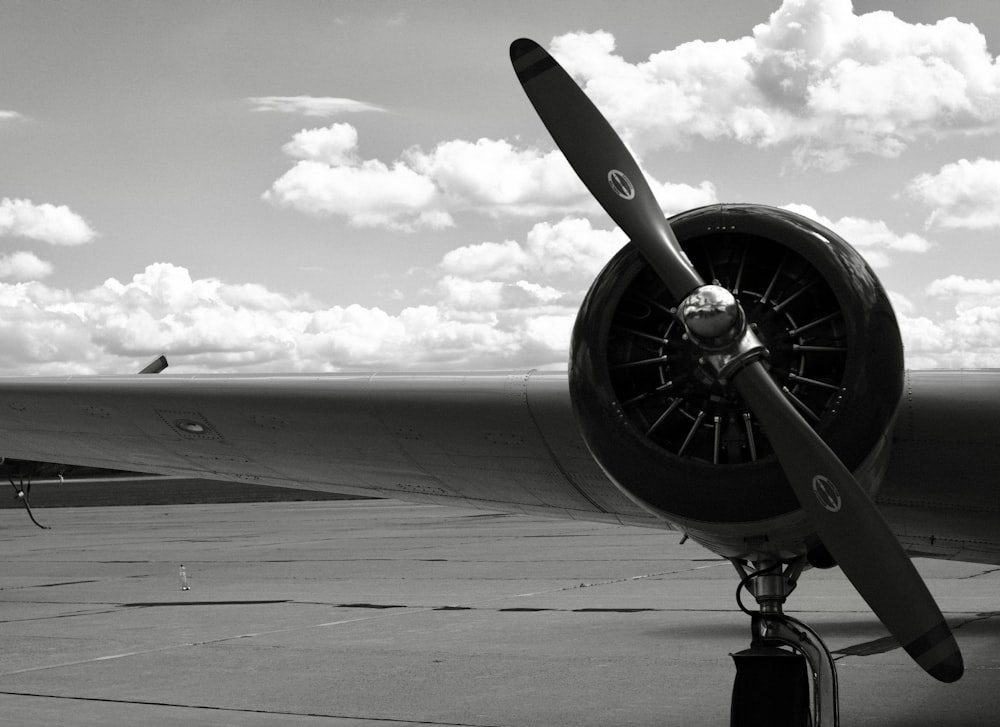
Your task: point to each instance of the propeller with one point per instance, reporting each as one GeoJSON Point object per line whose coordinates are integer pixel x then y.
{"type": "Point", "coordinates": [844, 517]}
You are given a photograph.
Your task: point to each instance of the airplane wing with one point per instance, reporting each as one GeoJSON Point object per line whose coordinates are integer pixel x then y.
{"type": "Point", "coordinates": [503, 441]}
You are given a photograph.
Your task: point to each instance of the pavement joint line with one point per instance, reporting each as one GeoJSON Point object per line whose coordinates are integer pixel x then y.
{"type": "Point", "coordinates": [46, 585]}
{"type": "Point", "coordinates": [109, 700]}
{"type": "Point", "coordinates": [986, 572]}
{"type": "Point", "coordinates": [75, 614]}
{"type": "Point", "coordinates": [983, 616]}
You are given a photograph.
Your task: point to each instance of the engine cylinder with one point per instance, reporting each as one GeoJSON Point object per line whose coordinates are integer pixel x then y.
{"type": "Point", "coordinates": [683, 443]}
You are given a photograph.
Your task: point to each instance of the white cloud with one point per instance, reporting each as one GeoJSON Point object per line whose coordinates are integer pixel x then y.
{"type": "Point", "coordinates": [551, 331]}
{"type": "Point", "coordinates": [322, 106]}
{"type": "Point", "coordinates": [570, 251]}
{"type": "Point", "coordinates": [924, 343]}
{"type": "Point", "coordinates": [872, 238]}
{"type": "Point", "coordinates": [424, 189]}
{"type": "Point", "coordinates": [336, 144]}
{"type": "Point", "coordinates": [674, 198]}
{"type": "Point", "coordinates": [540, 293]}
{"type": "Point", "coordinates": [23, 266]}
{"type": "Point", "coordinates": [501, 297]}
{"type": "Point", "coordinates": [10, 116]}
{"type": "Point", "coordinates": [517, 313]}
{"type": "Point", "coordinates": [210, 325]}
{"type": "Point", "coordinates": [955, 286]}
{"type": "Point", "coordinates": [571, 247]}
{"type": "Point", "coordinates": [495, 177]}
{"type": "Point", "coordinates": [56, 225]}
{"type": "Point", "coordinates": [368, 194]}
{"type": "Point", "coordinates": [332, 180]}
{"type": "Point", "coordinates": [528, 291]}
{"type": "Point", "coordinates": [962, 195]}
{"type": "Point", "coordinates": [487, 259]}
{"type": "Point", "coordinates": [967, 337]}
{"type": "Point", "coordinates": [971, 339]}
{"type": "Point", "coordinates": [816, 76]}
{"type": "Point", "coordinates": [511, 307]}
{"type": "Point", "coordinates": [465, 294]}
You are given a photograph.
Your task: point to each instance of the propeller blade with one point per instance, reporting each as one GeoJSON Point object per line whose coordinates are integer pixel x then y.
{"type": "Point", "coordinates": [852, 529]}
{"type": "Point", "coordinates": [844, 516]}
{"type": "Point", "coordinates": [603, 163]}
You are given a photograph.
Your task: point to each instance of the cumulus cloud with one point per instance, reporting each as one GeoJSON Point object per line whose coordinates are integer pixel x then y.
{"type": "Point", "coordinates": [531, 289]}
{"type": "Point", "coordinates": [109, 327]}
{"type": "Point", "coordinates": [962, 195]}
{"type": "Point", "coordinates": [56, 225]}
{"type": "Point", "coordinates": [336, 144]}
{"type": "Point", "coordinates": [570, 251]}
{"type": "Point", "coordinates": [24, 265]}
{"type": "Point", "coordinates": [504, 304]}
{"type": "Point", "coordinates": [425, 189]}
{"type": "Point", "coordinates": [332, 180]}
{"type": "Point", "coordinates": [368, 194]}
{"type": "Point", "coordinates": [528, 290]}
{"type": "Point", "coordinates": [515, 320]}
{"type": "Point", "coordinates": [321, 106]}
{"type": "Point", "coordinates": [872, 238]}
{"type": "Point", "coordinates": [955, 286]}
{"type": "Point", "coordinates": [966, 337]}
{"type": "Point", "coordinates": [971, 339]}
{"type": "Point", "coordinates": [494, 295]}
{"type": "Point", "coordinates": [495, 176]}
{"type": "Point", "coordinates": [816, 76]}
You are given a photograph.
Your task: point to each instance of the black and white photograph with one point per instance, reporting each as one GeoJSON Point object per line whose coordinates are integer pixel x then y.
{"type": "Point", "coordinates": [384, 363]}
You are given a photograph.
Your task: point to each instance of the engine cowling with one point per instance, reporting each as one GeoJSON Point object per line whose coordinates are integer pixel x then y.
{"type": "Point", "coordinates": [682, 443]}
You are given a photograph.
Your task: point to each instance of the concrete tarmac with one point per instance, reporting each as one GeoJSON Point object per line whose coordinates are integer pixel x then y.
{"type": "Point", "coordinates": [379, 614]}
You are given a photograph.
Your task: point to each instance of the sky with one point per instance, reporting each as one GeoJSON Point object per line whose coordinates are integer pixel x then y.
{"type": "Point", "coordinates": [342, 186]}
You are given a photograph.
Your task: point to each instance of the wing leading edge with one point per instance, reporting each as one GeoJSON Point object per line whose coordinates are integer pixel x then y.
{"type": "Point", "coordinates": [504, 441]}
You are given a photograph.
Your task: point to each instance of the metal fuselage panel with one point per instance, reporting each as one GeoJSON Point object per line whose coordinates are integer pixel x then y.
{"type": "Point", "coordinates": [941, 493]}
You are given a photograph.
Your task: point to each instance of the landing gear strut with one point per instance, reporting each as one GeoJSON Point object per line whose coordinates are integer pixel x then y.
{"type": "Point", "coordinates": [772, 683]}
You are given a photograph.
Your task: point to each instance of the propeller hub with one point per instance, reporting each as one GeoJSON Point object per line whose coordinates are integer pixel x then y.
{"type": "Point", "coordinates": [712, 317]}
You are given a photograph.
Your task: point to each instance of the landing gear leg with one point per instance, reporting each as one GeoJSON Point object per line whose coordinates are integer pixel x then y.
{"type": "Point", "coordinates": [772, 683]}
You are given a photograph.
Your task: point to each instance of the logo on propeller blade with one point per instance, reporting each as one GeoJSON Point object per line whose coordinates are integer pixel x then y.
{"type": "Point", "coordinates": [621, 184]}
{"type": "Point", "coordinates": [827, 493]}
